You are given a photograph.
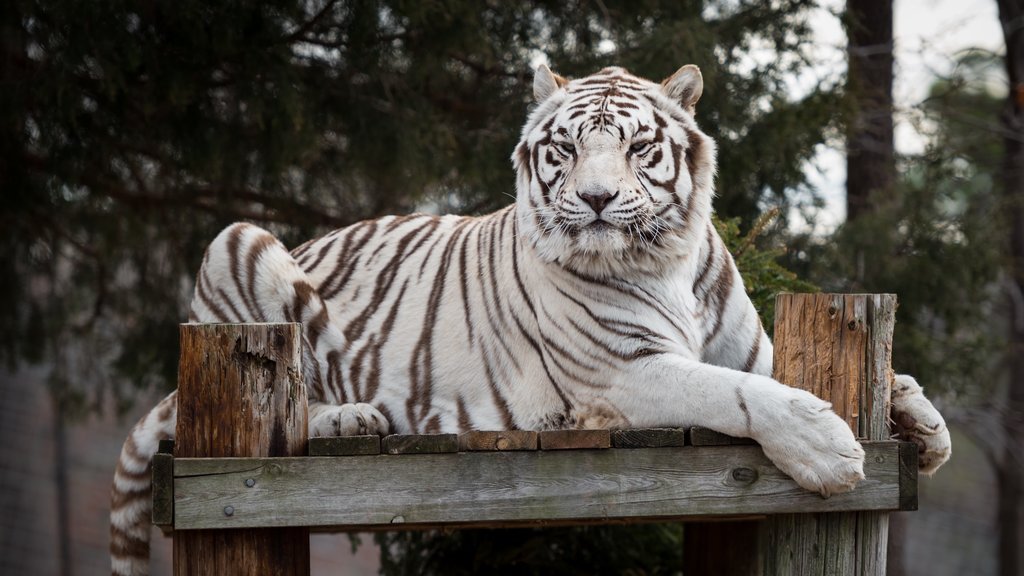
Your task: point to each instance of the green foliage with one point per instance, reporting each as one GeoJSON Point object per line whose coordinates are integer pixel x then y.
{"type": "Point", "coordinates": [645, 550]}
{"type": "Point", "coordinates": [763, 276]}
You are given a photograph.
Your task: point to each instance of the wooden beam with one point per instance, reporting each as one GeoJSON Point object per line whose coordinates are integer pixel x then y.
{"type": "Point", "coordinates": [506, 488]}
{"type": "Point", "coordinates": [420, 443]}
{"type": "Point", "coordinates": [501, 441]}
{"type": "Point", "coordinates": [163, 489]}
{"type": "Point", "coordinates": [240, 394]}
{"type": "Point", "coordinates": [649, 438]}
{"type": "Point", "coordinates": [574, 439]}
{"type": "Point", "coordinates": [344, 446]}
{"type": "Point", "coordinates": [838, 347]}
{"type": "Point", "coordinates": [707, 437]}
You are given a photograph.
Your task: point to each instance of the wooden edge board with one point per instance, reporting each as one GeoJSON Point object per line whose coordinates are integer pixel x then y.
{"type": "Point", "coordinates": [505, 488]}
{"type": "Point", "coordinates": [908, 476]}
{"type": "Point", "coordinates": [574, 439]}
{"type": "Point", "coordinates": [168, 529]}
{"type": "Point", "coordinates": [649, 438]}
{"type": "Point", "coordinates": [500, 441]}
{"type": "Point", "coordinates": [708, 437]}
{"type": "Point", "coordinates": [345, 446]}
{"type": "Point", "coordinates": [540, 523]}
{"type": "Point", "coordinates": [163, 489]}
{"type": "Point", "coordinates": [420, 443]}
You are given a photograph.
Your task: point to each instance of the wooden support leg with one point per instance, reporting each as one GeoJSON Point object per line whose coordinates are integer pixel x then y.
{"type": "Point", "coordinates": [240, 393]}
{"type": "Point", "coordinates": [838, 347]}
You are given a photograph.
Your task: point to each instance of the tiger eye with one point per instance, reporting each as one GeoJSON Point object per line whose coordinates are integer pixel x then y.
{"type": "Point", "coordinates": [639, 148]}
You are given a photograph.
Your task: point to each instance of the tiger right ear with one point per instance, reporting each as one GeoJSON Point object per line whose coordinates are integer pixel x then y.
{"type": "Point", "coordinates": [545, 83]}
{"type": "Point", "coordinates": [685, 86]}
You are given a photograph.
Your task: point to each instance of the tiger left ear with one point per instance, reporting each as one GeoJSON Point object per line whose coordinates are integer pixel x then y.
{"type": "Point", "coordinates": [685, 86]}
{"type": "Point", "coordinates": [545, 82]}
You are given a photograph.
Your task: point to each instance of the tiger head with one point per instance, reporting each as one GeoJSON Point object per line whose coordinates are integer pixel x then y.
{"type": "Point", "coordinates": [614, 177]}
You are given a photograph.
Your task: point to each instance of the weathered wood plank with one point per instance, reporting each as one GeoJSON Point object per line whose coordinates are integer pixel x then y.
{"type": "Point", "coordinates": [344, 446]}
{"type": "Point", "coordinates": [649, 438]}
{"type": "Point", "coordinates": [502, 441]}
{"type": "Point", "coordinates": [420, 443]}
{"type": "Point", "coordinates": [474, 488]}
{"type": "Point", "coordinates": [240, 394]}
{"type": "Point", "coordinates": [163, 489]}
{"type": "Point", "coordinates": [708, 437]}
{"type": "Point", "coordinates": [908, 476]}
{"type": "Point", "coordinates": [574, 439]}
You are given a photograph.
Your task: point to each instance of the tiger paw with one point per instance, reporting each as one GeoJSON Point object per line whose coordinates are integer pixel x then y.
{"type": "Point", "coordinates": [814, 446]}
{"type": "Point", "coordinates": [916, 420]}
{"type": "Point", "coordinates": [346, 420]}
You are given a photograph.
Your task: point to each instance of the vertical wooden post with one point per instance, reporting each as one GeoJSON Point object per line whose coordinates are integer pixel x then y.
{"type": "Point", "coordinates": [240, 393]}
{"type": "Point", "coordinates": [840, 348]}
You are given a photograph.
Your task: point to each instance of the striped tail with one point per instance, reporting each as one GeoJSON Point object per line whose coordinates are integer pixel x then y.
{"type": "Point", "coordinates": [130, 501]}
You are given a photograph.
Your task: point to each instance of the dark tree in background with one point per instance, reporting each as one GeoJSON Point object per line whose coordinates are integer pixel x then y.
{"type": "Point", "coordinates": [1011, 466]}
{"type": "Point", "coordinates": [133, 131]}
{"type": "Point", "coordinates": [870, 153]}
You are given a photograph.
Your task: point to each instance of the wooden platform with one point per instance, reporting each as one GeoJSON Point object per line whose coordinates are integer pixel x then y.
{"type": "Point", "coordinates": [249, 485]}
{"type": "Point", "coordinates": [514, 483]}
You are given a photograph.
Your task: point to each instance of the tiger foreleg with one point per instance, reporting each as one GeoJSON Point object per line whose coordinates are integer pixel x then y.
{"type": "Point", "coordinates": [916, 420]}
{"type": "Point", "coordinates": [798, 431]}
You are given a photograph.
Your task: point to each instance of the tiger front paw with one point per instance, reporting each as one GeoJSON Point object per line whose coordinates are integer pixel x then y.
{"type": "Point", "coordinates": [814, 446]}
{"type": "Point", "coordinates": [346, 420]}
{"type": "Point", "coordinates": [916, 420]}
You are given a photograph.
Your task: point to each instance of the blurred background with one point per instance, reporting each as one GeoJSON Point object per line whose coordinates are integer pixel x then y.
{"type": "Point", "coordinates": [867, 145]}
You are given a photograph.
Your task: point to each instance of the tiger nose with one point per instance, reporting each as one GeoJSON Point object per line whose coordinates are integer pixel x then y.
{"type": "Point", "coordinates": [598, 200]}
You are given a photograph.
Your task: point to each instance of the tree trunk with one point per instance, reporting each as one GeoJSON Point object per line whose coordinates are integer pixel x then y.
{"type": "Point", "coordinates": [870, 158]}
{"type": "Point", "coordinates": [870, 153]}
{"type": "Point", "coordinates": [1011, 469]}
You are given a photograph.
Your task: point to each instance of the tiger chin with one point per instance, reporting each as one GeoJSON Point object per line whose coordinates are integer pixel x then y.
{"type": "Point", "coordinates": [603, 297]}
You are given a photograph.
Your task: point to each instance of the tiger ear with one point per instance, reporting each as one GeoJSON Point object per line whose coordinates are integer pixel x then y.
{"type": "Point", "coordinates": [545, 82]}
{"type": "Point", "coordinates": [685, 86]}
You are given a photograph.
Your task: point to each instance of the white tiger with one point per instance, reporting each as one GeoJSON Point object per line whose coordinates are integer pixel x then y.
{"type": "Point", "coordinates": [603, 298]}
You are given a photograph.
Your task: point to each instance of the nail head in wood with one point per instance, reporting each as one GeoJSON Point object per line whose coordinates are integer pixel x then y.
{"type": "Point", "coordinates": [345, 446]}
{"type": "Point", "coordinates": [574, 439]}
{"type": "Point", "coordinates": [500, 441]}
{"type": "Point", "coordinates": [420, 443]}
{"type": "Point", "coordinates": [649, 438]}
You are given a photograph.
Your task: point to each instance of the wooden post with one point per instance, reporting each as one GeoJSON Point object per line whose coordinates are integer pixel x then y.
{"type": "Point", "coordinates": [240, 393]}
{"type": "Point", "coordinates": [840, 348]}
